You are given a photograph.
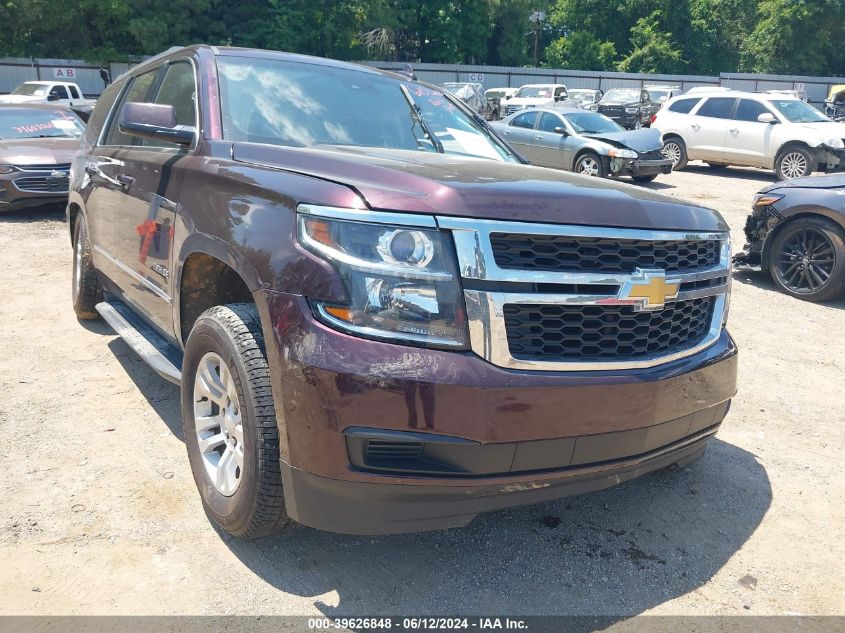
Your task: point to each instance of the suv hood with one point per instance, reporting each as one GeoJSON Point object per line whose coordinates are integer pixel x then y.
{"type": "Point", "coordinates": [38, 151]}
{"type": "Point", "coordinates": [824, 129]}
{"type": "Point", "coordinates": [420, 182]}
{"type": "Point", "coordinates": [645, 140]}
{"type": "Point", "coordinates": [619, 103]}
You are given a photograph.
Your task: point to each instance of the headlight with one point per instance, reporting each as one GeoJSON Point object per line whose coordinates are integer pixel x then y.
{"type": "Point", "coordinates": [765, 199]}
{"type": "Point", "coordinates": [6, 169]}
{"type": "Point", "coordinates": [401, 282]}
{"type": "Point", "coordinates": [632, 110]}
{"type": "Point", "coordinates": [835, 143]}
{"type": "Point", "coordinates": [622, 153]}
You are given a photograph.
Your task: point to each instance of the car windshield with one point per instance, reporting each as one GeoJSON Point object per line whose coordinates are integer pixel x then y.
{"type": "Point", "coordinates": [38, 123]}
{"type": "Point", "coordinates": [592, 123]}
{"type": "Point", "coordinates": [622, 94]}
{"type": "Point", "coordinates": [534, 91]}
{"type": "Point", "coordinates": [796, 111]}
{"type": "Point", "coordinates": [310, 105]}
{"type": "Point", "coordinates": [31, 90]}
{"type": "Point", "coordinates": [658, 95]}
{"type": "Point", "coordinates": [580, 94]}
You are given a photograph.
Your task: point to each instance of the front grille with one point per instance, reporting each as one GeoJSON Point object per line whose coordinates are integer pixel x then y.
{"type": "Point", "coordinates": [592, 332]}
{"type": "Point", "coordinates": [655, 154]}
{"type": "Point", "coordinates": [612, 110]}
{"type": "Point", "coordinates": [558, 253]}
{"type": "Point", "coordinates": [65, 167]}
{"type": "Point", "coordinates": [512, 109]}
{"type": "Point", "coordinates": [386, 449]}
{"type": "Point", "coordinates": [42, 184]}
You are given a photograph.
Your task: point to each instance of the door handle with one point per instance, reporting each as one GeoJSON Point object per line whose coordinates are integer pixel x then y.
{"type": "Point", "coordinates": [695, 126]}
{"type": "Point", "coordinates": [538, 137]}
{"type": "Point", "coordinates": [91, 169]}
{"type": "Point", "coordinates": [125, 180]}
{"type": "Point", "coordinates": [734, 130]}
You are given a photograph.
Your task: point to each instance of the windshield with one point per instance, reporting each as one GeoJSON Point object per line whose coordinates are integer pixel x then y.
{"type": "Point", "coordinates": [309, 105]}
{"type": "Point", "coordinates": [534, 91]}
{"type": "Point", "coordinates": [658, 95]}
{"type": "Point", "coordinates": [31, 90]}
{"type": "Point", "coordinates": [592, 123]}
{"type": "Point", "coordinates": [32, 123]}
{"type": "Point", "coordinates": [578, 95]}
{"type": "Point", "coordinates": [796, 111]}
{"type": "Point", "coordinates": [622, 94]}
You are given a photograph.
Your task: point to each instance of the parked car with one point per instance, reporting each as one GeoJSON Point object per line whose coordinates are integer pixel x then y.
{"type": "Point", "coordinates": [472, 94]}
{"type": "Point", "coordinates": [584, 142]}
{"type": "Point", "coordinates": [37, 143]}
{"type": "Point", "coordinates": [55, 92]}
{"type": "Point", "coordinates": [751, 129]}
{"type": "Point", "coordinates": [834, 105]}
{"type": "Point", "coordinates": [632, 108]}
{"type": "Point", "coordinates": [382, 320]}
{"type": "Point", "coordinates": [795, 94]}
{"type": "Point", "coordinates": [796, 231]}
{"type": "Point", "coordinates": [583, 97]}
{"type": "Point", "coordinates": [502, 94]}
{"type": "Point", "coordinates": [536, 96]}
{"type": "Point", "coordinates": [662, 94]}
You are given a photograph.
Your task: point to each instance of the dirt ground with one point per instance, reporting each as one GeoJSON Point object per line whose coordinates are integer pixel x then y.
{"type": "Point", "coordinates": [100, 515]}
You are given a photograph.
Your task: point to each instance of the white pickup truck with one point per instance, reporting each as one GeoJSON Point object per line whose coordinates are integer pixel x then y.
{"type": "Point", "coordinates": [57, 92]}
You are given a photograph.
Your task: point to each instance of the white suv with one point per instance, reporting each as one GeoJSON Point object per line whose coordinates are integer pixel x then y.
{"type": "Point", "coordinates": [752, 129]}
{"type": "Point", "coordinates": [536, 96]}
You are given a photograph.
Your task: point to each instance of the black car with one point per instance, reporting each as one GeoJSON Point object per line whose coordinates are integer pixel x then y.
{"type": "Point", "coordinates": [632, 108]}
{"type": "Point", "coordinates": [796, 231]}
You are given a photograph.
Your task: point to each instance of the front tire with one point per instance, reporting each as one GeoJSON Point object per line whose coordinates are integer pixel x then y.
{"type": "Point", "coordinates": [795, 162]}
{"type": "Point", "coordinates": [675, 150]}
{"type": "Point", "coordinates": [807, 259]}
{"type": "Point", "coordinates": [590, 164]}
{"type": "Point", "coordinates": [86, 292]}
{"type": "Point", "coordinates": [229, 422]}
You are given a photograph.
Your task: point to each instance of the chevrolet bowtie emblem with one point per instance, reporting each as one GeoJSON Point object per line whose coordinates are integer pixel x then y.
{"type": "Point", "coordinates": [648, 289]}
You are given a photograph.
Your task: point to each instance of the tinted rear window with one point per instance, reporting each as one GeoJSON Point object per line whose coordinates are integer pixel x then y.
{"type": "Point", "coordinates": [717, 107]}
{"type": "Point", "coordinates": [683, 106]}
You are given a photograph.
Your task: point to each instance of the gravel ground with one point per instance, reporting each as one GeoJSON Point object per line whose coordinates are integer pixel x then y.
{"type": "Point", "coordinates": [100, 514]}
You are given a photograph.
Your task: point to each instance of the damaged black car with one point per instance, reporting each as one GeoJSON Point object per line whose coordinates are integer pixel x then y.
{"type": "Point", "coordinates": [796, 231]}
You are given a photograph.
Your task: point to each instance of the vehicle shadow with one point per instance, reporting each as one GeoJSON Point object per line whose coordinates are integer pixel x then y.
{"type": "Point", "coordinates": [763, 280]}
{"type": "Point", "coordinates": [617, 552]}
{"type": "Point", "coordinates": [36, 214]}
{"type": "Point", "coordinates": [735, 173]}
{"type": "Point", "coordinates": [655, 185]}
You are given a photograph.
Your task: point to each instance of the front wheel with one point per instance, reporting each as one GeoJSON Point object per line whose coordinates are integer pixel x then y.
{"type": "Point", "coordinates": [795, 162]}
{"type": "Point", "coordinates": [590, 164]}
{"type": "Point", "coordinates": [229, 422]}
{"type": "Point", "coordinates": [86, 292]}
{"type": "Point", "coordinates": [675, 150]}
{"type": "Point", "coordinates": [807, 259]}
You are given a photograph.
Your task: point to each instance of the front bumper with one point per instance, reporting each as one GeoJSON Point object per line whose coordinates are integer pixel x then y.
{"type": "Point", "coordinates": [638, 167]}
{"type": "Point", "coordinates": [15, 196]}
{"type": "Point", "coordinates": [529, 435]}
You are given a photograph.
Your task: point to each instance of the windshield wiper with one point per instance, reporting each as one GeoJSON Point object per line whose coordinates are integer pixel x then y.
{"type": "Point", "coordinates": [418, 120]}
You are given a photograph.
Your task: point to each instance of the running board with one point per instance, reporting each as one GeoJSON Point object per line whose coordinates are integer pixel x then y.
{"type": "Point", "coordinates": [160, 355]}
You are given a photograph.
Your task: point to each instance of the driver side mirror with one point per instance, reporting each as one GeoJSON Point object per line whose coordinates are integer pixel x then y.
{"type": "Point", "coordinates": [561, 130]}
{"type": "Point", "coordinates": [767, 117]}
{"type": "Point", "coordinates": [53, 96]}
{"type": "Point", "coordinates": [154, 121]}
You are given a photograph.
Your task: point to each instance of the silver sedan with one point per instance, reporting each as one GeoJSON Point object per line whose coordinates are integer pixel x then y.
{"type": "Point", "coordinates": [584, 142]}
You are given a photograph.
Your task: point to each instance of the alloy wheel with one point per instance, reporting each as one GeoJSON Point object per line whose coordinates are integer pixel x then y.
{"type": "Point", "coordinates": [219, 429]}
{"type": "Point", "coordinates": [672, 151]}
{"type": "Point", "coordinates": [588, 166]}
{"type": "Point", "coordinates": [793, 165]}
{"type": "Point", "coordinates": [805, 262]}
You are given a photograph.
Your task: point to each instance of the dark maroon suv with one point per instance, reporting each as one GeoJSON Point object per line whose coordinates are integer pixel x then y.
{"type": "Point", "coordinates": [382, 319]}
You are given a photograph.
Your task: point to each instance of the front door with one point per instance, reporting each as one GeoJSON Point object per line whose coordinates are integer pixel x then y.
{"type": "Point", "coordinates": [749, 142]}
{"type": "Point", "coordinates": [145, 210]}
{"type": "Point", "coordinates": [550, 147]}
{"type": "Point", "coordinates": [708, 129]}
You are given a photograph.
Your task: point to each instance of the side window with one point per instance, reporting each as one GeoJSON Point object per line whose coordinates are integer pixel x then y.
{"type": "Point", "coordinates": [717, 108]}
{"type": "Point", "coordinates": [178, 88]}
{"type": "Point", "coordinates": [644, 96]}
{"type": "Point", "coordinates": [749, 110]}
{"type": "Point", "coordinates": [560, 92]}
{"type": "Point", "coordinates": [683, 106]}
{"type": "Point", "coordinates": [59, 92]}
{"type": "Point", "coordinates": [526, 120]}
{"type": "Point", "coordinates": [74, 93]}
{"type": "Point", "coordinates": [549, 121]}
{"type": "Point", "coordinates": [101, 112]}
{"type": "Point", "coordinates": [138, 92]}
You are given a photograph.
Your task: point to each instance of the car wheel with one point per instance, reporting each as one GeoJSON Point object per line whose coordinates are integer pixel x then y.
{"type": "Point", "coordinates": [807, 259]}
{"type": "Point", "coordinates": [590, 164]}
{"type": "Point", "coordinates": [795, 162]}
{"type": "Point", "coordinates": [638, 125]}
{"type": "Point", "coordinates": [644, 178]}
{"type": "Point", "coordinates": [229, 422]}
{"type": "Point", "coordinates": [85, 286]}
{"type": "Point", "coordinates": [675, 150]}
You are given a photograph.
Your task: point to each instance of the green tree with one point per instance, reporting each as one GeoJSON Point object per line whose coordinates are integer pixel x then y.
{"type": "Point", "coordinates": [580, 50]}
{"type": "Point", "coordinates": [652, 49]}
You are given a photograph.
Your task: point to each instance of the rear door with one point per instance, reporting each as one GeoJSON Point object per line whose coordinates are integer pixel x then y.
{"type": "Point", "coordinates": [549, 147]}
{"type": "Point", "coordinates": [708, 129]}
{"type": "Point", "coordinates": [146, 206]}
{"type": "Point", "coordinates": [749, 142]}
{"type": "Point", "coordinates": [520, 132]}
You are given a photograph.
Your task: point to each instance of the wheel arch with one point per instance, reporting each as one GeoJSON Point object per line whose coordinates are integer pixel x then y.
{"type": "Point", "coordinates": [787, 144]}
